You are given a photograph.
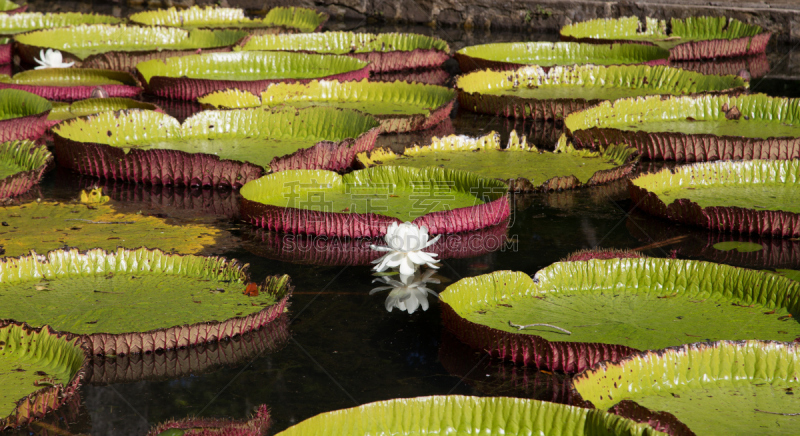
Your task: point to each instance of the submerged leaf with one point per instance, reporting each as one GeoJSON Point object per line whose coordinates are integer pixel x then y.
{"type": "Point", "coordinates": [741, 247]}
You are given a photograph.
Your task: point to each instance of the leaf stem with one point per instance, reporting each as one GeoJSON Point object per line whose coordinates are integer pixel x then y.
{"type": "Point", "coordinates": [778, 413]}
{"type": "Point", "coordinates": [520, 327]}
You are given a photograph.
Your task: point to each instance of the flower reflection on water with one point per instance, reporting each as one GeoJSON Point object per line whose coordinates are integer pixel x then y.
{"type": "Point", "coordinates": [408, 292]}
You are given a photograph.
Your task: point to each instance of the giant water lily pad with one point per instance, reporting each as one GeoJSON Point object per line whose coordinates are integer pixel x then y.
{"type": "Point", "coordinates": [455, 414]}
{"type": "Point", "coordinates": [613, 308]}
{"type": "Point", "coordinates": [134, 301]}
{"type": "Point", "coordinates": [20, 23]}
{"type": "Point", "coordinates": [725, 387]}
{"type": "Point", "coordinates": [364, 203]}
{"type": "Point", "coordinates": [22, 115]}
{"type": "Point", "coordinates": [22, 165]}
{"type": "Point", "coordinates": [513, 55]}
{"type": "Point", "coordinates": [530, 92]}
{"type": "Point", "coordinates": [278, 20]}
{"type": "Point", "coordinates": [321, 250]}
{"type": "Point", "coordinates": [523, 167]}
{"type": "Point", "coordinates": [189, 77]}
{"type": "Point", "coordinates": [122, 47]}
{"type": "Point", "coordinates": [399, 106]}
{"type": "Point", "coordinates": [97, 222]}
{"type": "Point", "coordinates": [40, 370]}
{"type": "Point", "coordinates": [693, 128]}
{"type": "Point", "coordinates": [384, 51]}
{"type": "Point", "coordinates": [689, 38]}
{"type": "Point", "coordinates": [754, 67]}
{"type": "Point", "coordinates": [69, 84]}
{"type": "Point", "coordinates": [212, 148]}
{"type": "Point", "coordinates": [6, 55]}
{"type": "Point", "coordinates": [759, 196]}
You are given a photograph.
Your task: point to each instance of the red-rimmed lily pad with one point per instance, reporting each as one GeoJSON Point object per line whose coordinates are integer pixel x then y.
{"type": "Point", "coordinates": [40, 371]}
{"type": "Point", "coordinates": [431, 76]}
{"type": "Point", "coordinates": [572, 315]}
{"type": "Point", "coordinates": [724, 387]}
{"type": "Point", "coordinates": [514, 55]}
{"type": "Point", "coordinates": [760, 196]}
{"type": "Point", "coordinates": [191, 361]}
{"type": "Point", "coordinates": [257, 425]}
{"type": "Point", "coordinates": [30, 21]}
{"type": "Point", "coordinates": [212, 148]}
{"type": "Point", "coordinates": [334, 251]}
{"type": "Point", "coordinates": [141, 300]}
{"type": "Point", "coordinates": [687, 38]}
{"type": "Point", "coordinates": [693, 128]}
{"type": "Point", "coordinates": [122, 47]}
{"type": "Point", "coordinates": [5, 51]}
{"type": "Point", "coordinates": [22, 115]}
{"type": "Point", "coordinates": [278, 20]}
{"type": "Point", "coordinates": [364, 203]}
{"type": "Point", "coordinates": [22, 165]}
{"type": "Point", "coordinates": [399, 106]}
{"type": "Point", "coordinates": [190, 77]}
{"type": "Point", "coordinates": [755, 66]}
{"type": "Point", "coordinates": [532, 92]}
{"type": "Point", "coordinates": [522, 167]}
{"type": "Point", "coordinates": [455, 414]}
{"type": "Point", "coordinates": [69, 84]}
{"type": "Point", "coordinates": [385, 51]}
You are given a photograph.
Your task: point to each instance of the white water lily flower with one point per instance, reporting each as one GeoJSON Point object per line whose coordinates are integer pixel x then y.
{"type": "Point", "coordinates": [51, 59]}
{"type": "Point", "coordinates": [405, 244]}
{"type": "Point", "coordinates": [408, 293]}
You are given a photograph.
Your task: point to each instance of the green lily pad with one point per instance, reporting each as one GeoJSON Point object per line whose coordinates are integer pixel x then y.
{"type": "Point", "coordinates": [364, 203]}
{"type": "Point", "coordinates": [47, 225]}
{"type": "Point", "coordinates": [121, 47]}
{"type": "Point", "coordinates": [732, 388]}
{"type": "Point", "coordinates": [22, 165]}
{"type": "Point", "coordinates": [399, 106]}
{"type": "Point", "coordinates": [454, 414]}
{"type": "Point", "coordinates": [689, 38]}
{"type": "Point", "coordinates": [91, 106]}
{"type": "Point", "coordinates": [138, 300]}
{"type": "Point", "coordinates": [213, 147]}
{"type": "Point", "coordinates": [13, 24]}
{"type": "Point", "coordinates": [625, 305]}
{"type": "Point", "coordinates": [40, 370]}
{"type": "Point", "coordinates": [758, 196]}
{"type": "Point", "coordinates": [513, 55]}
{"type": "Point", "coordinates": [257, 425]}
{"type": "Point", "coordinates": [694, 128]}
{"type": "Point", "coordinates": [523, 167]}
{"type": "Point", "coordinates": [530, 92]}
{"type": "Point", "coordinates": [22, 115]}
{"type": "Point", "coordinates": [384, 51]}
{"type": "Point", "coordinates": [741, 247]}
{"type": "Point", "coordinates": [278, 20]}
{"type": "Point", "coordinates": [190, 77]}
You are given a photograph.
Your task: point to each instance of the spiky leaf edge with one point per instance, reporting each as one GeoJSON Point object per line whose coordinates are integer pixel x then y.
{"type": "Point", "coordinates": [59, 263]}
{"type": "Point", "coordinates": [34, 158]}
{"type": "Point", "coordinates": [257, 425]}
{"type": "Point", "coordinates": [129, 87]}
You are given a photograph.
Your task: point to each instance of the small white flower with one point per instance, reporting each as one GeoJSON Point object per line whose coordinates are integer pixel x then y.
{"type": "Point", "coordinates": [408, 293]}
{"type": "Point", "coordinates": [51, 59]}
{"type": "Point", "coordinates": [405, 244]}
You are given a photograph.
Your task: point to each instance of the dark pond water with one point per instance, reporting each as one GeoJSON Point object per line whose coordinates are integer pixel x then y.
{"type": "Point", "coordinates": [339, 347]}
